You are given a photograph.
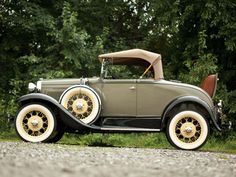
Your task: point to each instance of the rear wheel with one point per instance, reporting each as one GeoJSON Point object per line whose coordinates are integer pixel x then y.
{"type": "Point", "coordinates": [35, 123]}
{"type": "Point", "coordinates": [187, 130]}
{"type": "Point", "coordinates": [83, 103]}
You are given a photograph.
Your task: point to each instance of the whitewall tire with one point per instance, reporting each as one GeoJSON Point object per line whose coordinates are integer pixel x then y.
{"type": "Point", "coordinates": [35, 123]}
{"type": "Point", "coordinates": [83, 103]}
{"type": "Point", "coordinates": [187, 130]}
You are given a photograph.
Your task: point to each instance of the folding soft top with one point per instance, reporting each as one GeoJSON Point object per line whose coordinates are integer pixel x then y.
{"type": "Point", "coordinates": [136, 56]}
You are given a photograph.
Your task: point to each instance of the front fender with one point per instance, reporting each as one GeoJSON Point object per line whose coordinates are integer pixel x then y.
{"type": "Point", "coordinates": [66, 117]}
{"type": "Point", "coordinates": [191, 99]}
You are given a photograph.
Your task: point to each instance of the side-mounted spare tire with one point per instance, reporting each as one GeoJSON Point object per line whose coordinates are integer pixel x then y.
{"type": "Point", "coordinates": [83, 102]}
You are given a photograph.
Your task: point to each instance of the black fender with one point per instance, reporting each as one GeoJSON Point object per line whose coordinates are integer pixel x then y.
{"type": "Point", "coordinates": [192, 99]}
{"type": "Point", "coordinates": [66, 117]}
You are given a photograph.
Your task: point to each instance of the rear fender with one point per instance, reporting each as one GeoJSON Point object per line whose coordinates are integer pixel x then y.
{"type": "Point", "coordinates": [66, 117]}
{"type": "Point", "coordinates": [192, 100]}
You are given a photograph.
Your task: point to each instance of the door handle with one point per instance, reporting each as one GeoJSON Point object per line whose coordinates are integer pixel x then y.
{"type": "Point", "coordinates": [132, 88]}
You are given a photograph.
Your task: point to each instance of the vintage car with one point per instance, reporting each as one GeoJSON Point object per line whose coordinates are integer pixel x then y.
{"type": "Point", "coordinates": [130, 95]}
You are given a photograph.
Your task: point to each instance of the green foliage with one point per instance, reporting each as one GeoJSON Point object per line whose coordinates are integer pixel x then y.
{"type": "Point", "coordinates": [221, 142]}
{"type": "Point", "coordinates": [199, 69]}
{"type": "Point", "coordinates": [232, 102]}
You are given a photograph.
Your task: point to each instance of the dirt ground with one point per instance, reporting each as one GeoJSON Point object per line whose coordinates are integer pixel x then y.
{"type": "Point", "coordinates": [35, 160]}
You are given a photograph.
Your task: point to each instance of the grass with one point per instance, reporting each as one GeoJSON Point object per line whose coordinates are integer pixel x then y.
{"type": "Point", "coordinates": [150, 140]}
{"type": "Point", "coordinates": [9, 136]}
{"type": "Point", "coordinates": [221, 143]}
{"type": "Point", "coordinates": [217, 142]}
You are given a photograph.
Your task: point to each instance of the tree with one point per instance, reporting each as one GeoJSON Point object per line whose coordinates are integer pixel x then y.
{"type": "Point", "coordinates": [41, 39]}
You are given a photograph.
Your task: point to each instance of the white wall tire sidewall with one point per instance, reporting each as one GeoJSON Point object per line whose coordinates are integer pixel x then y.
{"type": "Point", "coordinates": [188, 146]}
{"type": "Point", "coordinates": [96, 104]}
{"type": "Point", "coordinates": [23, 134]}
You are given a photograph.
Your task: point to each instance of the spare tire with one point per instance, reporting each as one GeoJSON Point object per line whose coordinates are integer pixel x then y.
{"type": "Point", "coordinates": [83, 102]}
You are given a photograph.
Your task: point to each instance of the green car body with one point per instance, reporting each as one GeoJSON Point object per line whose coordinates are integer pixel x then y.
{"type": "Point", "coordinates": [140, 104]}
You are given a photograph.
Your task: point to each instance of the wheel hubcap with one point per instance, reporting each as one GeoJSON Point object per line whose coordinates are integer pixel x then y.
{"type": "Point", "coordinates": [188, 130]}
{"type": "Point", "coordinates": [35, 123]}
{"type": "Point", "coordinates": [80, 105]}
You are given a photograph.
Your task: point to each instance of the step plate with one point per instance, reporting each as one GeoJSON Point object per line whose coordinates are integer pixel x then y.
{"type": "Point", "coordinates": [129, 129]}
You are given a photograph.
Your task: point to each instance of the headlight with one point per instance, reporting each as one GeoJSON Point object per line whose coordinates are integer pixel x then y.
{"type": "Point", "coordinates": [32, 87]}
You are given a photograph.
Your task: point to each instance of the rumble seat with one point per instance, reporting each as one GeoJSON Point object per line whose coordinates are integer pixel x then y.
{"type": "Point", "coordinates": [209, 84]}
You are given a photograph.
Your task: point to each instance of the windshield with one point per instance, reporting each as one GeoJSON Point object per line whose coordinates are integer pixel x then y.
{"type": "Point", "coordinates": [113, 71]}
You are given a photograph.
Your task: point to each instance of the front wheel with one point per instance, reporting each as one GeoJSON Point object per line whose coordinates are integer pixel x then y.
{"type": "Point", "coordinates": [187, 130]}
{"type": "Point", "coordinates": [58, 133]}
{"type": "Point", "coordinates": [35, 123]}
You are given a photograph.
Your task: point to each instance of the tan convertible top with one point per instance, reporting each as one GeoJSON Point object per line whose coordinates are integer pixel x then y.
{"type": "Point", "coordinates": [135, 55]}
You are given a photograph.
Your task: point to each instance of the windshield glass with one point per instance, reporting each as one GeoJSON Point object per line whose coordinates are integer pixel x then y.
{"type": "Point", "coordinates": [112, 71]}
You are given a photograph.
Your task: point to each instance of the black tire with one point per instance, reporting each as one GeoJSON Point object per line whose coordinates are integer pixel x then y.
{"type": "Point", "coordinates": [35, 122]}
{"type": "Point", "coordinates": [58, 135]}
{"type": "Point", "coordinates": [59, 132]}
{"type": "Point", "coordinates": [187, 130]}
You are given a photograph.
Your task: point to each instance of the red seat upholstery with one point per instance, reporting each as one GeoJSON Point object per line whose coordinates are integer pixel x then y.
{"type": "Point", "coordinates": [209, 84]}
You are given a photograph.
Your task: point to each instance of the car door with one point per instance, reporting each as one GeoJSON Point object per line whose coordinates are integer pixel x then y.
{"type": "Point", "coordinates": [150, 98]}
{"type": "Point", "coordinates": [119, 97]}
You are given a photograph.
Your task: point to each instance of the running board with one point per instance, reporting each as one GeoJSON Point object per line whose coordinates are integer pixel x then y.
{"type": "Point", "coordinates": [129, 129]}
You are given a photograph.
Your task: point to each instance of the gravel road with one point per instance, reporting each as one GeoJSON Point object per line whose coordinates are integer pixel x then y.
{"type": "Point", "coordinates": [53, 160]}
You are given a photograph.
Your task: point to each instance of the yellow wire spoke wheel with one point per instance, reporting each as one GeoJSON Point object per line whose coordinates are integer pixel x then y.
{"type": "Point", "coordinates": [187, 130]}
{"type": "Point", "coordinates": [35, 123]}
{"type": "Point", "coordinates": [83, 103]}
